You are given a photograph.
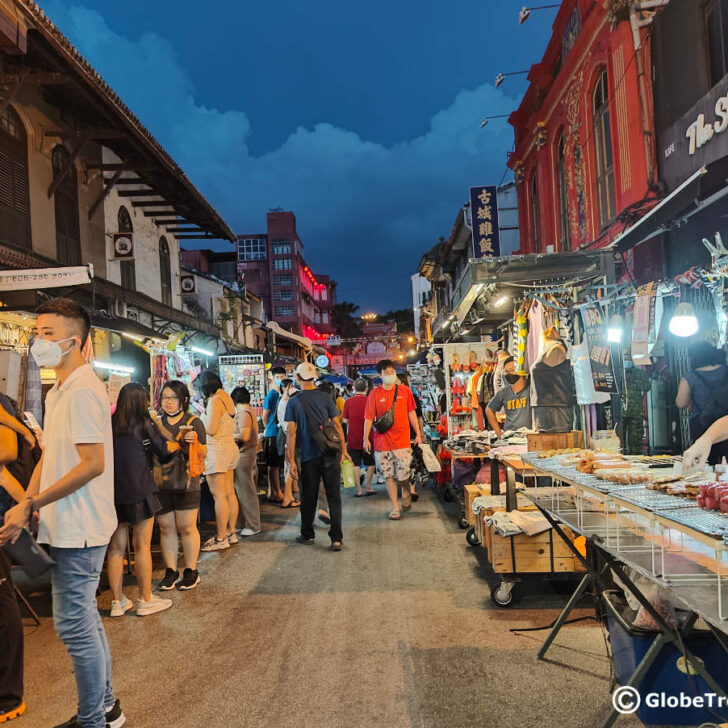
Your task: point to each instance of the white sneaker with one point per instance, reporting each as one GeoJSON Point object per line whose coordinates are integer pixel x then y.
{"type": "Point", "coordinates": [214, 545]}
{"type": "Point", "coordinates": [120, 608]}
{"type": "Point", "coordinates": [248, 532]}
{"type": "Point", "coordinates": [154, 605]}
{"type": "Point", "coordinates": [232, 538]}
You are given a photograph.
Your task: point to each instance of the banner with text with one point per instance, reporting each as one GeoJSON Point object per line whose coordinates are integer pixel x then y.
{"type": "Point", "coordinates": [40, 278]}
{"type": "Point", "coordinates": [600, 353]}
{"type": "Point", "coordinates": [484, 220]}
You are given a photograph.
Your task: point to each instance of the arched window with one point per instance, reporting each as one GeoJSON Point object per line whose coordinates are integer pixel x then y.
{"type": "Point", "coordinates": [603, 153]}
{"type": "Point", "coordinates": [14, 189]}
{"type": "Point", "coordinates": [165, 271]}
{"type": "Point", "coordinates": [68, 234]}
{"type": "Point", "coordinates": [534, 214]}
{"type": "Point", "coordinates": [128, 267]}
{"type": "Point", "coordinates": [563, 195]}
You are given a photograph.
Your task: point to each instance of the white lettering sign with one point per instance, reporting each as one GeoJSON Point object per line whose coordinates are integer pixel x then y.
{"type": "Point", "coordinates": [700, 133]}
{"type": "Point", "coordinates": [40, 278]}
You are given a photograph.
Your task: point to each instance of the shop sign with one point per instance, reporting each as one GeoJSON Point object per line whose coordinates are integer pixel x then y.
{"type": "Point", "coordinates": [600, 353]}
{"type": "Point", "coordinates": [696, 138]}
{"type": "Point", "coordinates": [187, 285]}
{"type": "Point", "coordinates": [40, 278]}
{"type": "Point", "coordinates": [332, 341]}
{"type": "Point", "coordinates": [484, 221]}
{"type": "Point", "coordinates": [643, 323]}
{"type": "Point", "coordinates": [123, 246]}
{"type": "Point", "coordinates": [322, 361]}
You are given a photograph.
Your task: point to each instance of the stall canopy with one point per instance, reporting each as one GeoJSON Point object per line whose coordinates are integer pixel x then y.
{"type": "Point", "coordinates": [123, 326]}
{"type": "Point", "coordinates": [707, 186]}
{"type": "Point", "coordinates": [339, 379]}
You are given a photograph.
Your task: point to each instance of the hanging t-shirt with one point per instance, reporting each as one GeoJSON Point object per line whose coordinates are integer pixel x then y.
{"type": "Point", "coordinates": [397, 437]}
{"type": "Point", "coordinates": [517, 406]}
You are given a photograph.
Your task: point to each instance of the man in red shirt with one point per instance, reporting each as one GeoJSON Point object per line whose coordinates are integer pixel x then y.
{"type": "Point", "coordinates": [392, 448]}
{"type": "Point", "coordinates": [354, 417]}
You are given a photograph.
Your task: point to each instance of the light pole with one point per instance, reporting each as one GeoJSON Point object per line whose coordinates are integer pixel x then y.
{"type": "Point", "coordinates": [502, 76]}
{"type": "Point", "coordinates": [484, 121]}
{"type": "Point", "coordinates": [525, 13]}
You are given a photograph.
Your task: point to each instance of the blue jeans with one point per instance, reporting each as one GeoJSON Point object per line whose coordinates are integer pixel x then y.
{"type": "Point", "coordinates": [78, 624]}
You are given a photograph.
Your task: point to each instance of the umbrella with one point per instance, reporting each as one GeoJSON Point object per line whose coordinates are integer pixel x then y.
{"type": "Point", "coordinates": [339, 379]}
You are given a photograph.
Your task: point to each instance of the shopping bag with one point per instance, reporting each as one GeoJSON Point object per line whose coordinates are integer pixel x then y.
{"type": "Point", "coordinates": [431, 462]}
{"type": "Point", "coordinates": [347, 471]}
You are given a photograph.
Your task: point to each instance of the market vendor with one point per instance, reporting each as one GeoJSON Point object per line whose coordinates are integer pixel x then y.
{"type": "Point", "coordinates": [696, 457]}
{"type": "Point", "coordinates": [514, 398]}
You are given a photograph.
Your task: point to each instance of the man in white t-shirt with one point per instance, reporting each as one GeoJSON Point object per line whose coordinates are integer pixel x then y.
{"type": "Point", "coordinates": [73, 489]}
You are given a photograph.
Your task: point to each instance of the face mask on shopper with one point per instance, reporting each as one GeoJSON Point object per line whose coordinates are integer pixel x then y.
{"type": "Point", "coordinates": [48, 353]}
{"type": "Point", "coordinates": [512, 378]}
{"type": "Point", "coordinates": [389, 379]}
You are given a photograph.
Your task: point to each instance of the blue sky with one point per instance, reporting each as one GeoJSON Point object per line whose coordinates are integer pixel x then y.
{"type": "Point", "coordinates": [362, 119]}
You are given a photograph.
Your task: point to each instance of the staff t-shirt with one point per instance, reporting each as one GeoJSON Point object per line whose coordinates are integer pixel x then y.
{"type": "Point", "coordinates": [77, 413]}
{"type": "Point", "coordinates": [271, 404]}
{"type": "Point", "coordinates": [397, 437]}
{"type": "Point", "coordinates": [517, 406]}
{"type": "Point", "coordinates": [354, 408]}
{"type": "Point", "coordinates": [322, 408]}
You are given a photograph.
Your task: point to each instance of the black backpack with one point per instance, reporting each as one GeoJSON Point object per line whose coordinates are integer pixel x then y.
{"type": "Point", "coordinates": [24, 465]}
{"type": "Point", "coordinates": [718, 405]}
{"type": "Point", "coordinates": [324, 434]}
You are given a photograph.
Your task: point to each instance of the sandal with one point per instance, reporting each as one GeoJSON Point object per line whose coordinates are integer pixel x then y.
{"type": "Point", "coordinates": [292, 504]}
{"type": "Point", "coordinates": [370, 492]}
{"type": "Point", "coordinates": [394, 516]}
{"type": "Point", "coordinates": [358, 495]}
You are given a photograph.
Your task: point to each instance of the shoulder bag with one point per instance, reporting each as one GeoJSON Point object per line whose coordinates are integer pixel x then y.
{"type": "Point", "coordinates": [324, 434]}
{"type": "Point", "coordinates": [384, 422]}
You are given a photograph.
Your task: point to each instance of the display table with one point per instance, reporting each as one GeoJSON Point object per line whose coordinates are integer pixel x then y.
{"type": "Point", "coordinates": [645, 533]}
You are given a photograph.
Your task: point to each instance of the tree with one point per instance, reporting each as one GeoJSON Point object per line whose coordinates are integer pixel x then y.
{"type": "Point", "coordinates": [403, 317]}
{"type": "Point", "coordinates": [344, 320]}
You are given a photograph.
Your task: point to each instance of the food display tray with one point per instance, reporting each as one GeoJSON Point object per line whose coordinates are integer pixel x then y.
{"type": "Point", "coordinates": [654, 500]}
{"type": "Point", "coordinates": [708, 522]}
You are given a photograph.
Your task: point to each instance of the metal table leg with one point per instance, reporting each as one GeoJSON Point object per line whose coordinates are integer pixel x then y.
{"type": "Point", "coordinates": [495, 477]}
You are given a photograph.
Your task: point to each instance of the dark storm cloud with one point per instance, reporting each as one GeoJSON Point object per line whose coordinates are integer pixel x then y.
{"type": "Point", "coordinates": [366, 212]}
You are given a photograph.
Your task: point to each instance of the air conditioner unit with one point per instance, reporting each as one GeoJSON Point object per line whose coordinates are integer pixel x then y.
{"type": "Point", "coordinates": [120, 309]}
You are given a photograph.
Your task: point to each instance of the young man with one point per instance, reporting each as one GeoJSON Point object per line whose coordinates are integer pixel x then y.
{"type": "Point", "coordinates": [270, 435]}
{"type": "Point", "coordinates": [392, 448]}
{"type": "Point", "coordinates": [514, 397]}
{"type": "Point", "coordinates": [73, 488]}
{"type": "Point", "coordinates": [308, 409]}
{"type": "Point", "coordinates": [353, 416]}
{"type": "Point", "coordinates": [14, 478]}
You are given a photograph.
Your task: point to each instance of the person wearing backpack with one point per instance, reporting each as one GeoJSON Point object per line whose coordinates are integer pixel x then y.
{"type": "Point", "coordinates": [19, 455]}
{"type": "Point", "coordinates": [314, 423]}
{"type": "Point", "coordinates": [179, 491]}
{"type": "Point", "coordinates": [704, 391]}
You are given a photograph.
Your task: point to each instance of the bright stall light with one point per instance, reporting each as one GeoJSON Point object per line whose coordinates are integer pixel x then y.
{"type": "Point", "coordinates": [204, 352]}
{"type": "Point", "coordinates": [684, 322]}
{"type": "Point", "coordinates": [500, 302]}
{"type": "Point", "coordinates": [120, 368]}
{"type": "Point", "coordinates": [615, 329]}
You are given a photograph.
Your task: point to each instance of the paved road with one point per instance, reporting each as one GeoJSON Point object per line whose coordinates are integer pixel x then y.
{"type": "Point", "coordinates": [396, 630]}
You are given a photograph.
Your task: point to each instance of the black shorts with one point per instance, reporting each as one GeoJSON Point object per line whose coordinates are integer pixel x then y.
{"type": "Point", "coordinates": [178, 500]}
{"type": "Point", "coordinates": [362, 457]}
{"type": "Point", "coordinates": [270, 450]}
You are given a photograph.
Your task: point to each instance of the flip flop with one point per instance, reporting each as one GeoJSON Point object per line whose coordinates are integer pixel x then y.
{"type": "Point", "coordinates": [394, 516]}
{"type": "Point", "coordinates": [292, 504]}
{"type": "Point", "coordinates": [370, 492]}
{"type": "Point", "coordinates": [358, 495]}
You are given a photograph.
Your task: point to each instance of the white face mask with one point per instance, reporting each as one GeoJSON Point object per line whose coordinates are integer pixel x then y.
{"type": "Point", "coordinates": [389, 379]}
{"type": "Point", "coordinates": [48, 353]}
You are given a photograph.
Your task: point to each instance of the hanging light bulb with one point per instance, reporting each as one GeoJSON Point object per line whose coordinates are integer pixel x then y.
{"type": "Point", "coordinates": [615, 329]}
{"type": "Point", "coordinates": [684, 321]}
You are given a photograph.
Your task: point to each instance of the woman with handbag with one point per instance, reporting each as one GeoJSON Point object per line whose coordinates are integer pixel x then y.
{"type": "Point", "coordinates": [221, 459]}
{"type": "Point", "coordinates": [179, 490]}
{"type": "Point", "coordinates": [290, 484]}
{"type": "Point", "coordinates": [136, 438]}
{"type": "Point", "coordinates": [245, 433]}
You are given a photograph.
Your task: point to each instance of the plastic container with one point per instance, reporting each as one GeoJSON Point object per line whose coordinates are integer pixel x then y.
{"type": "Point", "coordinates": [347, 471]}
{"type": "Point", "coordinates": [629, 646]}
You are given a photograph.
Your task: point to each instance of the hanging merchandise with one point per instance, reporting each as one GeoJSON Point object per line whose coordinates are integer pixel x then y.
{"type": "Point", "coordinates": [600, 353]}
{"type": "Point", "coordinates": [585, 392]}
{"type": "Point", "coordinates": [552, 387]}
{"type": "Point", "coordinates": [462, 362]}
{"type": "Point", "coordinates": [521, 336]}
{"type": "Point", "coordinates": [246, 371]}
{"type": "Point", "coordinates": [644, 319]}
{"type": "Point", "coordinates": [536, 325]}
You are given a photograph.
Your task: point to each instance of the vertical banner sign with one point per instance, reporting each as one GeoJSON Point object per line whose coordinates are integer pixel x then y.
{"type": "Point", "coordinates": [484, 216]}
{"type": "Point", "coordinates": [600, 353]}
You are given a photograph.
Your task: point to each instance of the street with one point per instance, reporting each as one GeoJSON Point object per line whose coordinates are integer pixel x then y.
{"type": "Point", "coordinates": [396, 630]}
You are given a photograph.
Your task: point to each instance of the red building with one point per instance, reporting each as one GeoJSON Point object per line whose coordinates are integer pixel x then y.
{"type": "Point", "coordinates": [271, 265]}
{"type": "Point", "coordinates": [584, 159]}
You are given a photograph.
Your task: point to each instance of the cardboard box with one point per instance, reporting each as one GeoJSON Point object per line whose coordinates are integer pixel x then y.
{"type": "Point", "coordinates": [555, 440]}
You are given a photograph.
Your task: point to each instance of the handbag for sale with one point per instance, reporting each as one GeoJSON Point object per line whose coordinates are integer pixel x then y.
{"type": "Point", "coordinates": [384, 422]}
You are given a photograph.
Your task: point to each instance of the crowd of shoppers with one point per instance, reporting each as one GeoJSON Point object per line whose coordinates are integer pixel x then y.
{"type": "Point", "coordinates": [101, 480]}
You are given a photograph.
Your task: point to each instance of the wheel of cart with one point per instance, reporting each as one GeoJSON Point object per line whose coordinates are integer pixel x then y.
{"type": "Point", "coordinates": [502, 594]}
{"type": "Point", "coordinates": [463, 521]}
{"type": "Point", "coordinates": [472, 538]}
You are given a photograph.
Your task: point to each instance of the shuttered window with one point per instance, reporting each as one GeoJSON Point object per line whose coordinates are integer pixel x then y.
{"type": "Point", "coordinates": [128, 267]}
{"type": "Point", "coordinates": [68, 234]}
{"type": "Point", "coordinates": [14, 189]}
{"type": "Point", "coordinates": [165, 271]}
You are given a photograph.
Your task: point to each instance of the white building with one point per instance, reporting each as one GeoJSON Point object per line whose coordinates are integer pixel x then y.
{"type": "Point", "coordinates": [420, 295]}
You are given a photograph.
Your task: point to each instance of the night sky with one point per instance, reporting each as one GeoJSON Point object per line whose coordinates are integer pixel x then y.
{"type": "Point", "coordinates": [361, 118]}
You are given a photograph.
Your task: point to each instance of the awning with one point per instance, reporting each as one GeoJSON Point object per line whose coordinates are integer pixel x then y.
{"type": "Point", "coordinates": [124, 326]}
{"type": "Point", "coordinates": [708, 185]}
{"type": "Point", "coordinates": [278, 330]}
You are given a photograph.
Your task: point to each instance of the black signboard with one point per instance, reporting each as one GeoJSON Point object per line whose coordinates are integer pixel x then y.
{"type": "Point", "coordinates": [600, 353]}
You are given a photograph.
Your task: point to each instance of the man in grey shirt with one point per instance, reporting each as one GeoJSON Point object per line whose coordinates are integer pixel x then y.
{"type": "Point", "coordinates": [514, 398]}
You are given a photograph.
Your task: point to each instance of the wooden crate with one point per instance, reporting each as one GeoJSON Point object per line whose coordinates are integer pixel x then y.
{"type": "Point", "coordinates": [482, 530]}
{"type": "Point", "coordinates": [555, 440]}
{"type": "Point", "coordinates": [473, 491]}
{"type": "Point", "coordinates": [543, 553]}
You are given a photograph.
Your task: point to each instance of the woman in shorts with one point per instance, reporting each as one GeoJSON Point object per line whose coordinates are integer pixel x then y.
{"type": "Point", "coordinates": [179, 493]}
{"type": "Point", "coordinates": [222, 457]}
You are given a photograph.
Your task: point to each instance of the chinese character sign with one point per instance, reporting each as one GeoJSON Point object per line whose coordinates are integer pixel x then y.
{"type": "Point", "coordinates": [600, 353]}
{"type": "Point", "coordinates": [484, 215]}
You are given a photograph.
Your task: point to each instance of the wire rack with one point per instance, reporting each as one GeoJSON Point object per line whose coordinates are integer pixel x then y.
{"type": "Point", "coordinates": [708, 522]}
